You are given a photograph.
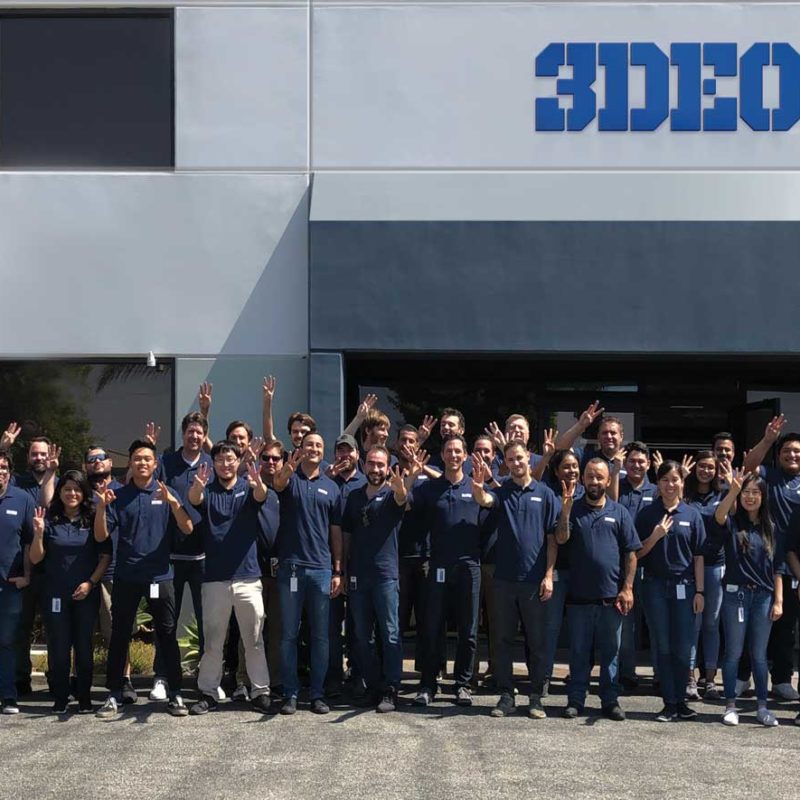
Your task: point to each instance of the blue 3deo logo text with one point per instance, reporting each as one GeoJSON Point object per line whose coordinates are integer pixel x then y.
{"type": "Point", "coordinates": [686, 114]}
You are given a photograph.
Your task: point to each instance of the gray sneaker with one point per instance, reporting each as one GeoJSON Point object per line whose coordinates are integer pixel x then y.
{"type": "Point", "coordinates": [535, 707]}
{"type": "Point", "coordinates": [108, 710]}
{"type": "Point", "coordinates": [424, 697]}
{"type": "Point", "coordinates": [463, 696]}
{"type": "Point", "coordinates": [176, 707]}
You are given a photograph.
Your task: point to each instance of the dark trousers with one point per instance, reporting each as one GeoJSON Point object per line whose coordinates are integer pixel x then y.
{"type": "Point", "coordinates": [191, 573]}
{"type": "Point", "coordinates": [125, 597]}
{"type": "Point", "coordinates": [70, 629]}
{"type": "Point", "coordinates": [460, 592]}
{"type": "Point", "coordinates": [514, 601]}
{"type": "Point", "coordinates": [31, 606]}
{"type": "Point", "coordinates": [413, 589]}
{"type": "Point", "coordinates": [341, 646]}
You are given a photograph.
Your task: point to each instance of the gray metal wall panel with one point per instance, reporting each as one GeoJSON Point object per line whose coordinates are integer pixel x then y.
{"type": "Point", "coordinates": [241, 84]}
{"type": "Point", "coordinates": [555, 287]}
{"type": "Point", "coordinates": [326, 392]}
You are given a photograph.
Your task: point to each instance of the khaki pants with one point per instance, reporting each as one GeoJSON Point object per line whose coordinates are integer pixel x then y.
{"type": "Point", "coordinates": [273, 622]}
{"type": "Point", "coordinates": [245, 598]}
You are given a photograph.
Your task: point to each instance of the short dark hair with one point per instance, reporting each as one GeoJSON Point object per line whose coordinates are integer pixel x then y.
{"type": "Point", "coordinates": [9, 459]}
{"type": "Point", "coordinates": [238, 423]}
{"type": "Point", "coordinates": [272, 444]}
{"type": "Point", "coordinates": [668, 466]}
{"type": "Point", "coordinates": [482, 437]}
{"type": "Point", "coordinates": [141, 444]}
{"type": "Point", "coordinates": [305, 419]}
{"type": "Point", "coordinates": [637, 447]}
{"type": "Point", "coordinates": [311, 433]}
{"type": "Point", "coordinates": [93, 447]}
{"type": "Point", "coordinates": [194, 418]}
{"type": "Point", "coordinates": [407, 429]}
{"type": "Point", "coordinates": [722, 435]}
{"type": "Point", "coordinates": [454, 412]}
{"type": "Point", "coordinates": [508, 445]}
{"type": "Point", "coordinates": [225, 446]}
{"type": "Point", "coordinates": [607, 419]}
{"type": "Point", "coordinates": [455, 437]}
{"type": "Point", "coordinates": [787, 437]}
{"type": "Point", "coordinates": [44, 439]}
{"type": "Point", "coordinates": [381, 449]}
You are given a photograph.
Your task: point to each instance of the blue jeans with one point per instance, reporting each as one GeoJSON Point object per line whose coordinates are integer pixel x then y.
{"type": "Point", "coordinates": [755, 605]}
{"type": "Point", "coordinates": [10, 613]}
{"type": "Point", "coordinates": [632, 634]}
{"type": "Point", "coordinates": [553, 619]}
{"type": "Point", "coordinates": [708, 621]}
{"type": "Point", "coordinates": [673, 622]}
{"type": "Point", "coordinates": [601, 625]}
{"type": "Point", "coordinates": [371, 605]}
{"type": "Point", "coordinates": [313, 592]}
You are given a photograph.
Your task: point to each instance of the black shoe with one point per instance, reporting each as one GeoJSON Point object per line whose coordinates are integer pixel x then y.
{"type": "Point", "coordinates": [797, 720]}
{"type": "Point", "coordinates": [205, 704]}
{"type": "Point", "coordinates": [684, 712]}
{"type": "Point", "coordinates": [289, 706]}
{"type": "Point", "coordinates": [73, 687]}
{"type": "Point", "coordinates": [85, 707]}
{"type": "Point", "coordinates": [24, 688]}
{"type": "Point", "coordinates": [629, 684]}
{"type": "Point", "coordinates": [613, 711]}
{"type": "Point", "coordinates": [504, 707]}
{"type": "Point", "coordinates": [334, 689]}
{"type": "Point", "coordinates": [463, 696]}
{"type": "Point", "coordinates": [667, 714]}
{"type": "Point", "coordinates": [319, 706]}
{"type": "Point", "coordinates": [262, 703]}
{"type": "Point", "coordinates": [129, 696]}
{"type": "Point", "coordinates": [59, 708]}
{"type": "Point", "coordinates": [572, 712]}
{"type": "Point", "coordinates": [176, 707]}
{"type": "Point", "coordinates": [388, 701]}
{"type": "Point", "coordinates": [367, 699]}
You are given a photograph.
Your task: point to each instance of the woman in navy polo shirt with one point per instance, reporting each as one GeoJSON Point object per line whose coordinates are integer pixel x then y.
{"type": "Point", "coordinates": [74, 563]}
{"type": "Point", "coordinates": [673, 537]}
{"type": "Point", "coordinates": [752, 597]}
{"type": "Point", "coordinates": [703, 490]}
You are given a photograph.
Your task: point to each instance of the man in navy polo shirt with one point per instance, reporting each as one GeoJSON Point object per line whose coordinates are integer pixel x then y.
{"type": "Point", "coordinates": [309, 539]}
{"type": "Point", "coordinates": [453, 518]}
{"type": "Point", "coordinates": [603, 545]}
{"type": "Point", "coordinates": [784, 496]}
{"type": "Point", "coordinates": [610, 436]}
{"type": "Point", "coordinates": [633, 490]}
{"type": "Point", "coordinates": [16, 529]}
{"type": "Point", "coordinates": [526, 513]}
{"type": "Point", "coordinates": [140, 511]}
{"type": "Point", "coordinates": [178, 470]}
{"type": "Point", "coordinates": [370, 524]}
{"type": "Point", "coordinates": [229, 507]}
{"type": "Point", "coordinates": [451, 423]}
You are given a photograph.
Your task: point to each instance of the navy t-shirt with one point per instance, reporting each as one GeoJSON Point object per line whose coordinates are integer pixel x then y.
{"type": "Point", "coordinates": [143, 542]}
{"type": "Point", "coordinates": [634, 500]}
{"type": "Point", "coordinates": [562, 557]}
{"type": "Point", "coordinates": [706, 504]}
{"type": "Point", "coordinates": [373, 525]}
{"type": "Point", "coordinates": [673, 555]}
{"type": "Point", "coordinates": [356, 481]}
{"type": "Point", "coordinates": [453, 519]}
{"type": "Point", "coordinates": [230, 532]}
{"type": "Point", "coordinates": [16, 517]}
{"type": "Point", "coordinates": [70, 555]}
{"type": "Point", "coordinates": [178, 474]}
{"type": "Point", "coordinates": [599, 540]}
{"type": "Point", "coordinates": [308, 509]}
{"type": "Point", "coordinates": [414, 540]}
{"type": "Point", "coordinates": [747, 559]}
{"type": "Point", "coordinates": [525, 516]}
{"type": "Point", "coordinates": [784, 497]}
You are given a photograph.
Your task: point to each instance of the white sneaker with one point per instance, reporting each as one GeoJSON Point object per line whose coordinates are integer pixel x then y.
{"type": "Point", "coordinates": [742, 687]}
{"type": "Point", "coordinates": [766, 717]}
{"type": "Point", "coordinates": [159, 691]}
{"type": "Point", "coordinates": [785, 691]}
{"type": "Point", "coordinates": [730, 717]}
{"type": "Point", "coordinates": [241, 693]}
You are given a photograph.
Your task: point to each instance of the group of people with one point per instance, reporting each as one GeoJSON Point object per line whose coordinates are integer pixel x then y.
{"type": "Point", "coordinates": [278, 538]}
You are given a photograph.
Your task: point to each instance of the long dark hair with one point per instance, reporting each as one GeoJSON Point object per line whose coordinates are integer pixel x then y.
{"type": "Point", "coordinates": [691, 486]}
{"type": "Point", "coordinates": [764, 522]}
{"type": "Point", "coordinates": [86, 509]}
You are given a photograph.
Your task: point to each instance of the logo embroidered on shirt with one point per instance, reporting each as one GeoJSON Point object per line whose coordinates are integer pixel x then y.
{"type": "Point", "coordinates": [323, 491]}
{"type": "Point", "coordinates": [156, 502]}
{"type": "Point", "coordinates": [11, 511]}
{"type": "Point", "coordinates": [685, 524]}
{"type": "Point", "coordinates": [609, 519]}
{"type": "Point", "coordinates": [466, 496]}
{"type": "Point", "coordinates": [536, 499]}
{"type": "Point", "coordinates": [647, 499]}
{"type": "Point", "coordinates": [239, 494]}
{"type": "Point", "coordinates": [379, 499]}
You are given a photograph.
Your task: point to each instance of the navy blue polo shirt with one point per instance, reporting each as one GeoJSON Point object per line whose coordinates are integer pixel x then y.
{"type": "Point", "coordinates": [706, 504]}
{"type": "Point", "coordinates": [309, 506]}
{"type": "Point", "coordinates": [672, 556]}
{"type": "Point", "coordinates": [414, 540]}
{"type": "Point", "coordinates": [373, 525]}
{"type": "Point", "coordinates": [178, 474]}
{"type": "Point", "coordinates": [230, 531]}
{"type": "Point", "coordinates": [525, 516]}
{"type": "Point", "coordinates": [634, 500]}
{"type": "Point", "coordinates": [747, 562]}
{"type": "Point", "coordinates": [16, 518]}
{"type": "Point", "coordinates": [356, 481]}
{"type": "Point", "coordinates": [586, 453]}
{"type": "Point", "coordinates": [28, 484]}
{"type": "Point", "coordinates": [498, 462]}
{"type": "Point", "coordinates": [453, 519]}
{"type": "Point", "coordinates": [70, 555]}
{"type": "Point", "coordinates": [599, 540]}
{"type": "Point", "coordinates": [437, 462]}
{"type": "Point", "coordinates": [143, 542]}
{"type": "Point", "coordinates": [269, 519]}
{"type": "Point", "coordinates": [562, 557]}
{"type": "Point", "coordinates": [784, 496]}
{"type": "Point", "coordinates": [113, 536]}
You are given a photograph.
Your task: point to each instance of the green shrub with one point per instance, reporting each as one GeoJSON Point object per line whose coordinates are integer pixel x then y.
{"type": "Point", "coordinates": [190, 647]}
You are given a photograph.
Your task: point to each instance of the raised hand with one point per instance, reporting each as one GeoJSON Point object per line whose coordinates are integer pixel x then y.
{"type": "Point", "coordinates": [480, 469]}
{"type": "Point", "coordinates": [202, 475]}
{"type": "Point", "coordinates": [568, 491]}
{"type": "Point", "coordinates": [657, 459]}
{"type": "Point", "coordinates": [104, 497]}
{"type": "Point", "coordinates": [396, 480]}
{"type": "Point", "coordinates": [426, 427]}
{"type": "Point", "coordinates": [204, 397]}
{"type": "Point", "coordinates": [418, 463]}
{"type": "Point", "coordinates": [269, 387]}
{"type": "Point", "coordinates": [296, 458]}
{"type": "Point", "coordinates": [253, 476]}
{"type": "Point", "coordinates": [253, 452]}
{"type": "Point", "coordinates": [163, 493]}
{"type": "Point", "coordinates": [366, 405]}
{"type": "Point", "coordinates": [687, 465]}
{"type": "Point", "coordinates": [725, 471]}
{"type": "Point", "coordinates": [663, 527]}
{"type": "Point", "coordinates": [38, 521]}
{"type": "Point", "coordinates": [774, 427]}
{"type": "Point", "coordinates": [591, 414]}
{"type": "Point", "coordinates": [492, 430]}
{"type": "Point", "coordinates": [618, 460]}
{"type": "Point", "coordinates": [53, 456]}
{"type": "Point", "coordinates": [549, 443]}
{"type": "Point", "coordinates": [152, 432]}
{"type": "Point", "coordinates": [736, 479]}
{"type": "Point", "coordinates": [9, 436]}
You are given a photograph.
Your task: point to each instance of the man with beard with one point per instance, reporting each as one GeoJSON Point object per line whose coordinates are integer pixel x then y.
{"type": "Point", "coordinates": [16, 529]}
{"type": "Point", "coordinates": [309, 544]}
{"type": "Point", "coordinates": [783, 482]}
{"type": "Point", "coordinates": [610, 436]}
{"type": "Point", "coordinates": [526, 512]}
{"type": "Point", "coordinates": [453, 518]}
{"type": "Point", "coordinates": [723, 447]}
{"type": "Point", "coordinates": [370, 524]}
{"type": "Point", "coordinates": [603, 545]}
